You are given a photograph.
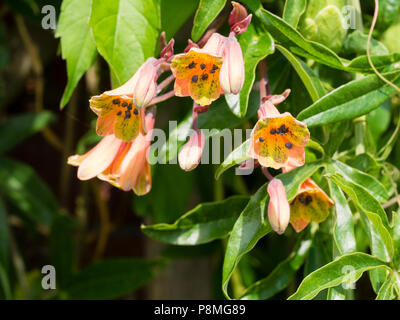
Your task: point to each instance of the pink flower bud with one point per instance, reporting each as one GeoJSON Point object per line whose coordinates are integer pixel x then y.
{"type": "Point", "coordinates": [190, 155]}
{"type": "Point", "coordinates": [146, 85]}
{"type": "Point", "coordinates": [278, 207]}
{"type": "Point", "coordinates": [231, 76]}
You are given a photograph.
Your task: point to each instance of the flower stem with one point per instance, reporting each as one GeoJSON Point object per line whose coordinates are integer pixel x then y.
{"type": "Point", "coordinates": [165, 83]}
{"type": "Point", "coordinates": [162, 98]}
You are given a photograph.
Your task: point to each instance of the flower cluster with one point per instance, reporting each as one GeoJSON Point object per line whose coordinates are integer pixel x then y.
{"type": "Point", "coordinates": [126, 115]}
{"type": "Point", "coordinates": [278, 141]}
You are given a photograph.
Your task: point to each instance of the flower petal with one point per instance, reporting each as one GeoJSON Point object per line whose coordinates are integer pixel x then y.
{"type": "Point", "coordinates": [197, 75]}
{"type": "Point", "coordinates": [273, 139]}
{"type": "Point", "coordinates": [117, 115]}
{"type": "Point", "coordinates": [310, 204]}
{"type": "Point", "coordinates": [99, 158]}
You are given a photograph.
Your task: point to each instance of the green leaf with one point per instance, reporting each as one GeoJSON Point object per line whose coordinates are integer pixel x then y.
{"type": "Point", "coordinates": [293, 11]}
{"type": "Point", "coordinates": [110, 279]}
{"type": "Point", "coordinates": [343, 229]}
{"type": "Point", "coordinates": [388, 13]}
{"type": "Point", "coordinates": [205, 223]}
{"type": "Point", "coordinates": [250, 227]}
{"type": "Point", "coordinates": [365, 180]}
{"type": "Point", "coordinates": [287, 36]}
{"type": "Point", "coordinates": [77, 44]}
{"type": "Point", "coordinates": [307, 76]}
{"type": "Point", "coordinates": [207, 11]}
{"type": "Point", "coordinates": [236, 157]}
{"type": "Point", "coordinates": [63, 248]}
{"type": "Point", "coordinates": [26, 191]}
{"type": "Point", "coordinates": [174, 13]}
{"type": "Point", "coordinates": [126, 33]}
{"type": "Point", "coordinates": [386, 292]}
{"type": "Point", "coordinates": [16, 129]}
{"type": "Point", "coordinates": [371, 207]}
{"type": "Point", "coordinates": [349, 101]}
{"type": "Point", "coordinates": [252, 224]}
{"type": "Point", "coordinates": [395, 232]}
{"type": "Point", "coordinates": [256, 44]}
{"type": "Point", "coordinates": [281, 276]}
{"type": "Point", "coordinates": [333, 274]}
{"type": "Point", "coordinates": [356, 43]}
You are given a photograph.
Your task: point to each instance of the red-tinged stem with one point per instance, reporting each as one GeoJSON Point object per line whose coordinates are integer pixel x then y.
{"type": "Point", "coordinates": [162, 98]}
{"type": "Point", "coordinates": [265, 89]}
{"type": "Point", "coordinates": [266, 173]}
{"type": "Point", "coordinates": [165, 83]}
{"type": "Point", "coordinates": [194, 117]}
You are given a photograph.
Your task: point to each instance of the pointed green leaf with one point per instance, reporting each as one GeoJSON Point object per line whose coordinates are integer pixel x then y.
{"type": "Point", "coordinates": [77, 45]}
{"type": "Point", "coordinates": [363, 179]}
{"type": "Point", "coordinates": [205, 223]}
{"type": "Point", "coordinates": [293, 11]}
{"type": "Point", "coordinates": [207, 11]}
{"type": "Point", "coordinates": [126, 33]}
{"type": "Point", "coordinates": [333, 274]}
{"type": "Point", "coordinates": [350, 100]}
{"type": "Point", "coordinates": [281, 276]}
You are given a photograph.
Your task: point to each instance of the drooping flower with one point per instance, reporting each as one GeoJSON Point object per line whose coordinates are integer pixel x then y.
{"type": "Point", "coordinates": [123, 164]}
{"type": "Point", "coordinates": [310, 204]}
{"type": "Point", "coordinates": [278, 139]}
{"type": "Point", "coordinates": [121, 111]}
{"type": "Point", "coordinates": [278, 207]}
{"type": "Point", "coordinates": [190, 154]}
{"type": "Point", "coordinates": [205, 73]}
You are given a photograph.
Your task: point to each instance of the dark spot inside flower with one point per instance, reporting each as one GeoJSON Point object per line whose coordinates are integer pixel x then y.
{"type": "Point", "coordinates": [204, 76]}
{"type": "Point", "coordinates": [124, 104]}
{"type": "Point", "coordinates": [273, 131]}
{"type": "Point", "coordinates": [261, 139]}
{"type": "Point", "coordinates": [308, 199]}
{"type": "Point", "coordinates": [115, 101]}
{"type": "Point", "coordinates": [119, 113]}
{"type": "Point", "coordinates": [288, 145]}
{"type": "Point", "coordinates": [130, 106]}
{"type": "Point", "coordinates": [202, 66]}
{"type": "Point", "coordinates": [192, 65]}
{"type": "Point", "coordinates": [301, 199]}
{"type": "Point", "coordinates": [127, 114]}
{"type": "Point", "coordinates": [195, 78]}
{"type": "Point", "coordinates": [136, 111]}
{"type": "Point", "coordinates": [214, 67]}
{"type": "Point", "coordinates": [282, 129]}
{"type": "Point", "coordinates": [212, 71]}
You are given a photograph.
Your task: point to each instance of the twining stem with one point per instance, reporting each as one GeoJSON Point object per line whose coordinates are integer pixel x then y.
{"type": "Point", "coordinates": [374, 18]}
{"type": "Point", "coordinates": [37, 67]}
